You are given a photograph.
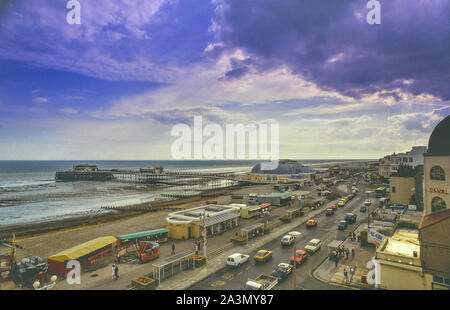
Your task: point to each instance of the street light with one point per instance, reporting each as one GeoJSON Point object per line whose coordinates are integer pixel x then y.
{"type": "Point", "coordinates": [37, 284]}
{"type": "Point", "coordinates": [295, 234]}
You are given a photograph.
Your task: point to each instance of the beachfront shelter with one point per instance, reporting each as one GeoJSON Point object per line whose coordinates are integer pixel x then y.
{"type": "Point", "coordinates": [167, 267]}
{"type": "Point", "coordinates": [86, 254]}
{"type": "Point", "coordinates": [275, 199]}
{"type": "Point", "coordinates": [158, 235]}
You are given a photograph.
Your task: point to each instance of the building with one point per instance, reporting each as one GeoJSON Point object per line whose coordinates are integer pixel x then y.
{"type": "Point", "coordinates": [187, 224]}
{"type": "Point", "coordinates": [85, 168]}
{"type": "Point", "coordinates": [414, 157]}
{"type": "Point", "coordinates": [400, 265]}
{"type": "Point", "coordinates": [388, 165]}
{"type": "Point", "coordinates": [402, 186]}
{"type": "Point", "coordinates": [87, 254]}
{"type": "Point", "coordinates": [434, 229]}
{"type": "Point", "coordinates": [286, 172]}
{"type": "Point", "coordinates": [275, 199]}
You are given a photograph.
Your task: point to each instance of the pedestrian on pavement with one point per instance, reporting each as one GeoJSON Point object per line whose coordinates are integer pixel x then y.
{"type": "Point", "coordinates": [354, 236]}
{"type": "Point", "coordinates": [336, 260]}
{"type": "Point", "coordinates": [116, 272]}
{"type": "Point", "coordinates": [345, 275]}
{"type": "Point", "coordinates": [353, 253]}
{"type": "Point", "coordinates": [113, 271]}
{"type": "Point", "coordinates": [173, 248]}
{"type": "Point", "coordinates": [347, 252]}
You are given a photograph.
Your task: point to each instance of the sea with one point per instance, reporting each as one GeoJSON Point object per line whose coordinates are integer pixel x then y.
{"type": "Point", "coordinates": [29, 193]}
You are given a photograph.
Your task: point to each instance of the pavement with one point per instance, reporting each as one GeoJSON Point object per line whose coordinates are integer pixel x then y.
{"type": "Point", "coordinates": [327, 272]}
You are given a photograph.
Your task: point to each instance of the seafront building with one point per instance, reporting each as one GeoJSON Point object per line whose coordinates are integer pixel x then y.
{"type": "Point", "coordinates": [389, 165]}
{"type": "Point", "coordinates": [188, 224]}
{"type": "Point", "coordinates": [286, 172]}
{"type": "Point", "coordinates": [418, 258]}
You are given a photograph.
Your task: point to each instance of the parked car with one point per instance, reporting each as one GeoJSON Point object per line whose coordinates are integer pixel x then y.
{"type": "Point", "coordinates": [329, 212]}
{"type": "Point", "coordinates": [282, 271]}
{"type": "Point", "coordinates": [313, 246]}
{"type": "Point", "coordinates": [300, 257]}
{"type": "Point", "coordinates": [363, 208]}
{"type": "Point", "coordinates": [334, 207]}
{"type": "Point", "coordinates": [367, 202]}
{"type": "Point", "coordinates": [237, 259]}
{"type": "Point", "coordinates": [342, 225]}
{"type": "Point", "coordinates": [262, 256]}
{"type": "Point", "coordinates": [342, 203]}
{"type": "Point", "coordinates": [350, 218]}
{"type": "Point", "coordinates": [311, 223]}
{"type": "Point", "coordinates": [287, 240]}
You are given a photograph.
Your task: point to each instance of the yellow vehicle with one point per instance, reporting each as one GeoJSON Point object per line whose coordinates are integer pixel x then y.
{"type": "Point", "coordinates": [313, 246]}
{"type": "Point", "coordinates": [341, 203]}
{"type": "Point", "coordinates": [262, 256]}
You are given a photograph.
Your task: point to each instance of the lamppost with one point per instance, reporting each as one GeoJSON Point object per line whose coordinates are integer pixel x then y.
{"type": "Point", "coordinates": [295, 234]}
{"type": "Point", "coordinates": [37, 284]}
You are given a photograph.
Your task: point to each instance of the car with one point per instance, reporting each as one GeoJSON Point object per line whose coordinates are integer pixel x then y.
{"type": "Point", "coordinates": [342, 225]}
{"type": "Point", "coordinates": [350, 218]}
{"type": "Point", "coordinates": [367, 202]}
{"type": "Point", "coordinates": [329, 212]}
{"type": "Point", "coordinates": [363, 208]}
{"type": "Point", "coordinates": [262, 256]}
{"type": "Point", "coordinates": [313, 246]}
{"type": "Point", "coordinates": [311, 223]}
{"type": "Point", "coordinates": [341, 203]}
{"type": "Point", "coordinates": [237, 259]}
{"type": "Point", "coordinates": [287, 240]}
{"type": "Point", "coordinates": [300, 257]}
{"type": "Point", "coordinates": [334, 207]}
{"type": "Point", "coordinates": [282, 271]}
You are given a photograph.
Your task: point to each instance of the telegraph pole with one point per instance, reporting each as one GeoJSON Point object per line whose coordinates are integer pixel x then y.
{"type": "Point", "coordinates": [204, 233]}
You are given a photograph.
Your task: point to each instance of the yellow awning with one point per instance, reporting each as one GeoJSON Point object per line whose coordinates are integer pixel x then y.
{"type": "Point", "coordinates": [83, 249]}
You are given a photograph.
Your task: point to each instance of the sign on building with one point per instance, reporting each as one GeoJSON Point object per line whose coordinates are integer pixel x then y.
{"type": "Point", "coordinates": [376, 237]}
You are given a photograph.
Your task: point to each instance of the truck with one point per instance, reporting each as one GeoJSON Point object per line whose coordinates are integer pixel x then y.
{"type": "Point", "coordinates": [262, 282]}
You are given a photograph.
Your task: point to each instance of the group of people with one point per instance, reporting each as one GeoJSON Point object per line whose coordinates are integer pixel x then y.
{"type": "Point", "coordinates": [352, 273]}
{"type": "Point", "coordinates": [340, 252]}
{"type": "Point", "coordinates": [352, 236]}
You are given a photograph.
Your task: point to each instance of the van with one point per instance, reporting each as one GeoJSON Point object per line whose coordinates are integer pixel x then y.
{"type": "Point", "coordinates": [237, 259]}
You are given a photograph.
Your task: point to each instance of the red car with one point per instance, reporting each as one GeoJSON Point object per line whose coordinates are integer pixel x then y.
{"type": "Point", "coordinates": [311, 223]}
{"type": "Point", "coordinates": [334, 207]}
{"type": "Point", "coordinates": [300, 257]}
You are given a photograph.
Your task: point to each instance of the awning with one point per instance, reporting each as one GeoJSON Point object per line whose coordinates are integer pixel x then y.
{"type": "Point", "coordinates": [83, 249]}
{"type": "Point", "coordinates": [220, 218]}
{"type": "Point", "coordinates": [143, 234]}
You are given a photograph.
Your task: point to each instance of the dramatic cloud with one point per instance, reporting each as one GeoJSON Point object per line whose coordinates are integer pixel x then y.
{"type": "Point", "coordinates": [331, 44]}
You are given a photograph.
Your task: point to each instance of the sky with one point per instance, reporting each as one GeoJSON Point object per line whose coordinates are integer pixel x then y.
{"type": "Point", "coordinates": [114, 86]}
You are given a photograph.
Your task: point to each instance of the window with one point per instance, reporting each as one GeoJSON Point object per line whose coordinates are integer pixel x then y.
{"type": "Point", "coordinates": [437, 173]}
{"type": "Point", "coordinates": [437, 203]}
{"type": "Point", "coordinates": [410, 159]}
{"type": "Point", "coordinates": [441, 280]}
{"type": "Point", "coordinates": [393, 189]}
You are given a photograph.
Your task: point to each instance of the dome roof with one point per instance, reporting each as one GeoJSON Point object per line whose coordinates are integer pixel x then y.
{"type": "Point", "coordinates": [284, 167]}
{"type": "Point", "coordinates": [439, 143]}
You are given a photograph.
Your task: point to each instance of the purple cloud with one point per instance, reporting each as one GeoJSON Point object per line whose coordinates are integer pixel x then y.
{"type": "Point", "coordinates": [331, 44]}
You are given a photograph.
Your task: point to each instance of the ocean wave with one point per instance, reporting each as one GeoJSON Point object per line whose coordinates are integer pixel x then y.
{"type": "Point", "coordinates": [18, 185]}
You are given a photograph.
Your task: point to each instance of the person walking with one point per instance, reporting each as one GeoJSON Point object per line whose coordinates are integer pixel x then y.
{"type": "Point", "coordinates": [116, 272]}
{"type": "Point", "coordinates": [173, 248]}
{"type": "Point", "coordinates": [113, 272]}
{"type": "Point", "coordinates": [336, 260]}
{"type": "Point", "coordinates": [353, 253]}
{"type": "Point", "coordinates": [346, 275]}
{"type": "Point", "coordinates": [347, 252]}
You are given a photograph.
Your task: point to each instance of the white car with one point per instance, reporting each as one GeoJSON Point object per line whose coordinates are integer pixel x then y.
{"type": "Point", "coordinates": [367, 202]}
{"type": "Point", "coordinates": [237, 259]}
{"type": "Point", "coordinates": [287, 240]}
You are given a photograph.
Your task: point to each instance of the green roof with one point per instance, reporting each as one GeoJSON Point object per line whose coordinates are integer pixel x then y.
{"type": "Point", "coordinates": [143, 234]}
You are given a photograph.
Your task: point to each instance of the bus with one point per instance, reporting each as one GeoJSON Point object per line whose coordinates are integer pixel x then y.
{"type": "Point", "coordinates": [250, 211]}
{"type": "Point", "coordinates": [380, 192]}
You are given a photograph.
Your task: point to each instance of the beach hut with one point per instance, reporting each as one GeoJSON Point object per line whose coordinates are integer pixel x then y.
{"type": "Point", "coordinates": [86, 254]}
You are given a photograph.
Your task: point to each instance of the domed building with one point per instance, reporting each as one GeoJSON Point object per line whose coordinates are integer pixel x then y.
{"type": "Point", "coordinates": [434, 229]}
{"type": "Point", "coordinates": [287, 170]}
